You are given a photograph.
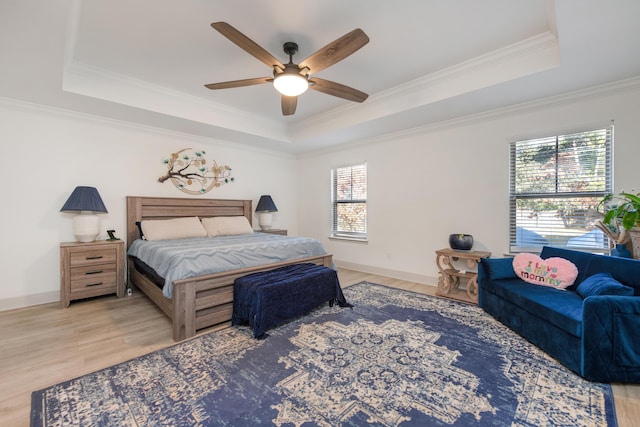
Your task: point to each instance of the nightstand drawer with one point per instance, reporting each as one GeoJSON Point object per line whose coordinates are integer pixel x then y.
{"type": "Point", "coordinates": [93, 277]}
{"type": "Point", "coordinates": [79, 256]}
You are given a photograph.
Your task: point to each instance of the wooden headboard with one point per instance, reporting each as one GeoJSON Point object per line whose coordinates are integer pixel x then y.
{"type": "Point", "coordinates": [143, 208]}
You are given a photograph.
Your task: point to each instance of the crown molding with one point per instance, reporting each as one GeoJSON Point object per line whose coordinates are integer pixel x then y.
{"type": "Point", "coordinates": [608, 89]}
{"type": "Point", "coordinates": [545, 42]}
{"type": "Point", "coordinates": [622, 86]}
{"type": "Point", "coordinates": [529, 56]}
{"type": "Point", "coordinates": [107, 85]}
{"type": "Point", "coordinates": [30, 107]}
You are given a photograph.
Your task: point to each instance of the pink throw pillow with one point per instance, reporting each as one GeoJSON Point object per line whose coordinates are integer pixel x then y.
{"type": "Point", "coordinates": [554, 272]}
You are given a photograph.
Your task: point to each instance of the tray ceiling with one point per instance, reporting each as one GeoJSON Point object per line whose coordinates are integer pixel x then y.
{"type": "Point", "coordinates": [147, 61]}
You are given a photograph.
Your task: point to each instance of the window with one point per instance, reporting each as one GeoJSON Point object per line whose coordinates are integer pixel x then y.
{"type": "Point", "coordinates": [556, 184]}
{"type": "Point", "coordinates": [349, 202]}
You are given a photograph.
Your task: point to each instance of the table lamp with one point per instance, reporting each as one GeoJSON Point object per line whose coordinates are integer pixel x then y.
{"type": "Point", "coordinates": [265, 207]}
{"type": "Point", "coordinates": [86, 202]}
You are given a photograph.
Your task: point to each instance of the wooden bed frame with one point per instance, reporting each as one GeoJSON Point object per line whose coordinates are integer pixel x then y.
{"type": "Point", "coordinates": [203, 301]}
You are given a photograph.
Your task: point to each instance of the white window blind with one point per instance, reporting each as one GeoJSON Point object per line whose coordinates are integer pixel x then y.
{"type": "Point", "coordinates": [349, 201]}
{"type": "Point", "coordinates": [556, 183]}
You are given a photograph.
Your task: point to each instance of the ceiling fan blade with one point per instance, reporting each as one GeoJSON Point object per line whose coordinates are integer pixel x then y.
{"type": "Point", "coordinates": [337, 89]}
{"type": "Point", "coordinates": [238, 83]}
{"type": "Point", "coordinates": [246, 44]}
{"type": "Point", "coordinates": [289, 104]}
{"type": "Point", "coordinates": [335, 51]}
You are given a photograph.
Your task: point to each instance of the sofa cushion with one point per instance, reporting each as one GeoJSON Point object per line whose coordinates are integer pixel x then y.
{"type": "Point", "coordinates": [561, 308]}
{"type": "Point", "coordinates": [554, 272]}
{"type": "Point", "coordinates": [602, 284]}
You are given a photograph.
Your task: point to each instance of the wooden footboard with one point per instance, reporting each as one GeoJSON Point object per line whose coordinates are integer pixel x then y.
{"type": "Point", "coordinates": [206, 301]}
{"type": "Point", "coordinates": [203, 301]}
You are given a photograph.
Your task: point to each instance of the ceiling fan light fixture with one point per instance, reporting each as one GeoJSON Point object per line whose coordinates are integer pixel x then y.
{"type": "Point", "coordinates": [291, 80]}
{"type": "Point", "coordinates": [290, 84]}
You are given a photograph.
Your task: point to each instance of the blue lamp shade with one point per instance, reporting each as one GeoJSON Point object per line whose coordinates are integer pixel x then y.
{"type": "Point", "coordinates": [265, 204]}
{"type": "Point", "coordinates": [265, 207]}
{"type": "Point", "coordinates": [84, 199]}
{"type": "Point", "coordinates": [86, 202]}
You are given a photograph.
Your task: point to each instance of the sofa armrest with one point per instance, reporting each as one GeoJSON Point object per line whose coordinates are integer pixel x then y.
{"type": "Point", "coordinates": [610, 347]}
{"type": "Point", "coordinates": [496, 269]}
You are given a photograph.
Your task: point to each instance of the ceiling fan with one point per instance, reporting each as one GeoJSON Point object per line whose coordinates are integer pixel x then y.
{"type": "Point", "coordinates": [292, 79]}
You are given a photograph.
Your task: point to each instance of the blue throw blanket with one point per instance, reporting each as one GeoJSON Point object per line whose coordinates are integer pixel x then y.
{"type": "Point", "coordinates": [267, 299]}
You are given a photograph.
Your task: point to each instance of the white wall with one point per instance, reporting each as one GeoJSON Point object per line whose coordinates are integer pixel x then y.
{"type": "Point", "coordinates": [48, 153]}
{"type": "Point", "coordinates": [426, 184]}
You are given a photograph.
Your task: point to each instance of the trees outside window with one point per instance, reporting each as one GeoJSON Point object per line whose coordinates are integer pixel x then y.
{"type": "Point", "coordinates": [349, 202]}
{"type": "Point", "coordinates": [556, 184]}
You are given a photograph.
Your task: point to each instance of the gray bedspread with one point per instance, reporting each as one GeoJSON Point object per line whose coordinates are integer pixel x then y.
{"type": "Point", "coordinates": [184, 258]}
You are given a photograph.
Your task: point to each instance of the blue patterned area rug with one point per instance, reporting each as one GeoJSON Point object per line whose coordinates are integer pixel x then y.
{"type": "Point", "coordinates": [396, 359]}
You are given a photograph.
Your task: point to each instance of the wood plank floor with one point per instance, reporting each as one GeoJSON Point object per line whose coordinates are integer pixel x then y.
{"type": "Point", "coordinates": [44, 345]}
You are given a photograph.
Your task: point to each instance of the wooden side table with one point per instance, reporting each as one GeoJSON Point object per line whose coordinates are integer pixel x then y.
{"type": "Point", "coordinates": [91, 269]}
{"type": "Point", "coordinates": [274, 231]}
{"type": "Point", "coordinates": [450, 276]}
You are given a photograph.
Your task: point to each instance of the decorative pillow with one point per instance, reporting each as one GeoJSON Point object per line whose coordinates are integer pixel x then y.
{"type": "Point", "coordinates": [175, 228]}
{"type": "Point", "coordinates": [555, 272]}
{"type": "Point", "coordinates": [602, 284]}
{"type": "Point", "coordinates": [226, 225]}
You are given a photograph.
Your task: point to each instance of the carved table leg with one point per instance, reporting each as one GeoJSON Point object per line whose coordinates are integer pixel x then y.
{"type": "Point", "coordinates": [472, 288]}
{"type": "Point", "coordinates": [446, 282]}
{"type": "Point", "coordinates": [472, 284]}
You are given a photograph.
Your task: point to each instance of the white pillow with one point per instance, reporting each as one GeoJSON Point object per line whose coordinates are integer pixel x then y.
{"type": "Point", "coordinates": [226, 225]}
{"type": "Point", "coordinates": [175, 228]}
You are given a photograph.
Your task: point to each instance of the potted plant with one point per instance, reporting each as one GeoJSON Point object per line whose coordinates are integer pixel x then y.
{"type": "Point", "coordinates": [621, 219]}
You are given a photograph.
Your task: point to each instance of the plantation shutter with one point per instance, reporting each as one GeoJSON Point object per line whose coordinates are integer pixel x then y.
{"type": "Point", "coordinates": [349, 202]}
{"type": "Point", "coordinates": [556, 184]}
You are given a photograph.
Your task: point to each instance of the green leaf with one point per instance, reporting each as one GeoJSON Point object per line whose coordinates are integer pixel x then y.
{"type": "Point", "coordinates": [634, 199]}
{"type": "Point", "coordinates": [608, 217]}
{"type": "Point", "coordinates": [629, 219]}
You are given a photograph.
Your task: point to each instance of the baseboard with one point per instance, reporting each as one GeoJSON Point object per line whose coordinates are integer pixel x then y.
{"type": "Point", "coordinates": [54, 296]}
{"type": "Point", "coordinates": [29, 300]}
{"type": "Point", "coordinates": [395, 274]}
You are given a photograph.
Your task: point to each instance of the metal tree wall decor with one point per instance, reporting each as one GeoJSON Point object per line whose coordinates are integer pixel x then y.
{"type": "Point", "coordinates": [191, 172]}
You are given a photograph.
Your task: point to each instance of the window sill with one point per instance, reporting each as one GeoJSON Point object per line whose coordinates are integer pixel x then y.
{"type": "Point", "coordinates": [517, 250]}
{"type": "Point", "coordinates": [350, 239]}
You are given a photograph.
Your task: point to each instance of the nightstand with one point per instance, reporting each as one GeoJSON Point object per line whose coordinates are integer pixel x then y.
{"type": "Point", "coordinates": [91, 269]}
{"type": "Point", "coordinates": [274, 231]}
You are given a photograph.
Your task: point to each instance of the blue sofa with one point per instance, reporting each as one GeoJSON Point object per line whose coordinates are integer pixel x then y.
{"type": "Point", "coordinates": [597, 337]}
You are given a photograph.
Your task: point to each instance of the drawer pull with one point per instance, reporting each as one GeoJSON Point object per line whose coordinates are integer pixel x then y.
{"type": "Point", "coordinates": [93, 284]}
{"type": "Point", "coordinates": [94, 272]}
{"type": "Point", "coordinates": [94, 257]}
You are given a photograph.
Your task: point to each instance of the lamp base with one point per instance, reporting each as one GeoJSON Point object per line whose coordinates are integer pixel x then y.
{"type": "Point", "coordinates": [265, 220]}
{"type": "Point", "coordinates": [86, 227]}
